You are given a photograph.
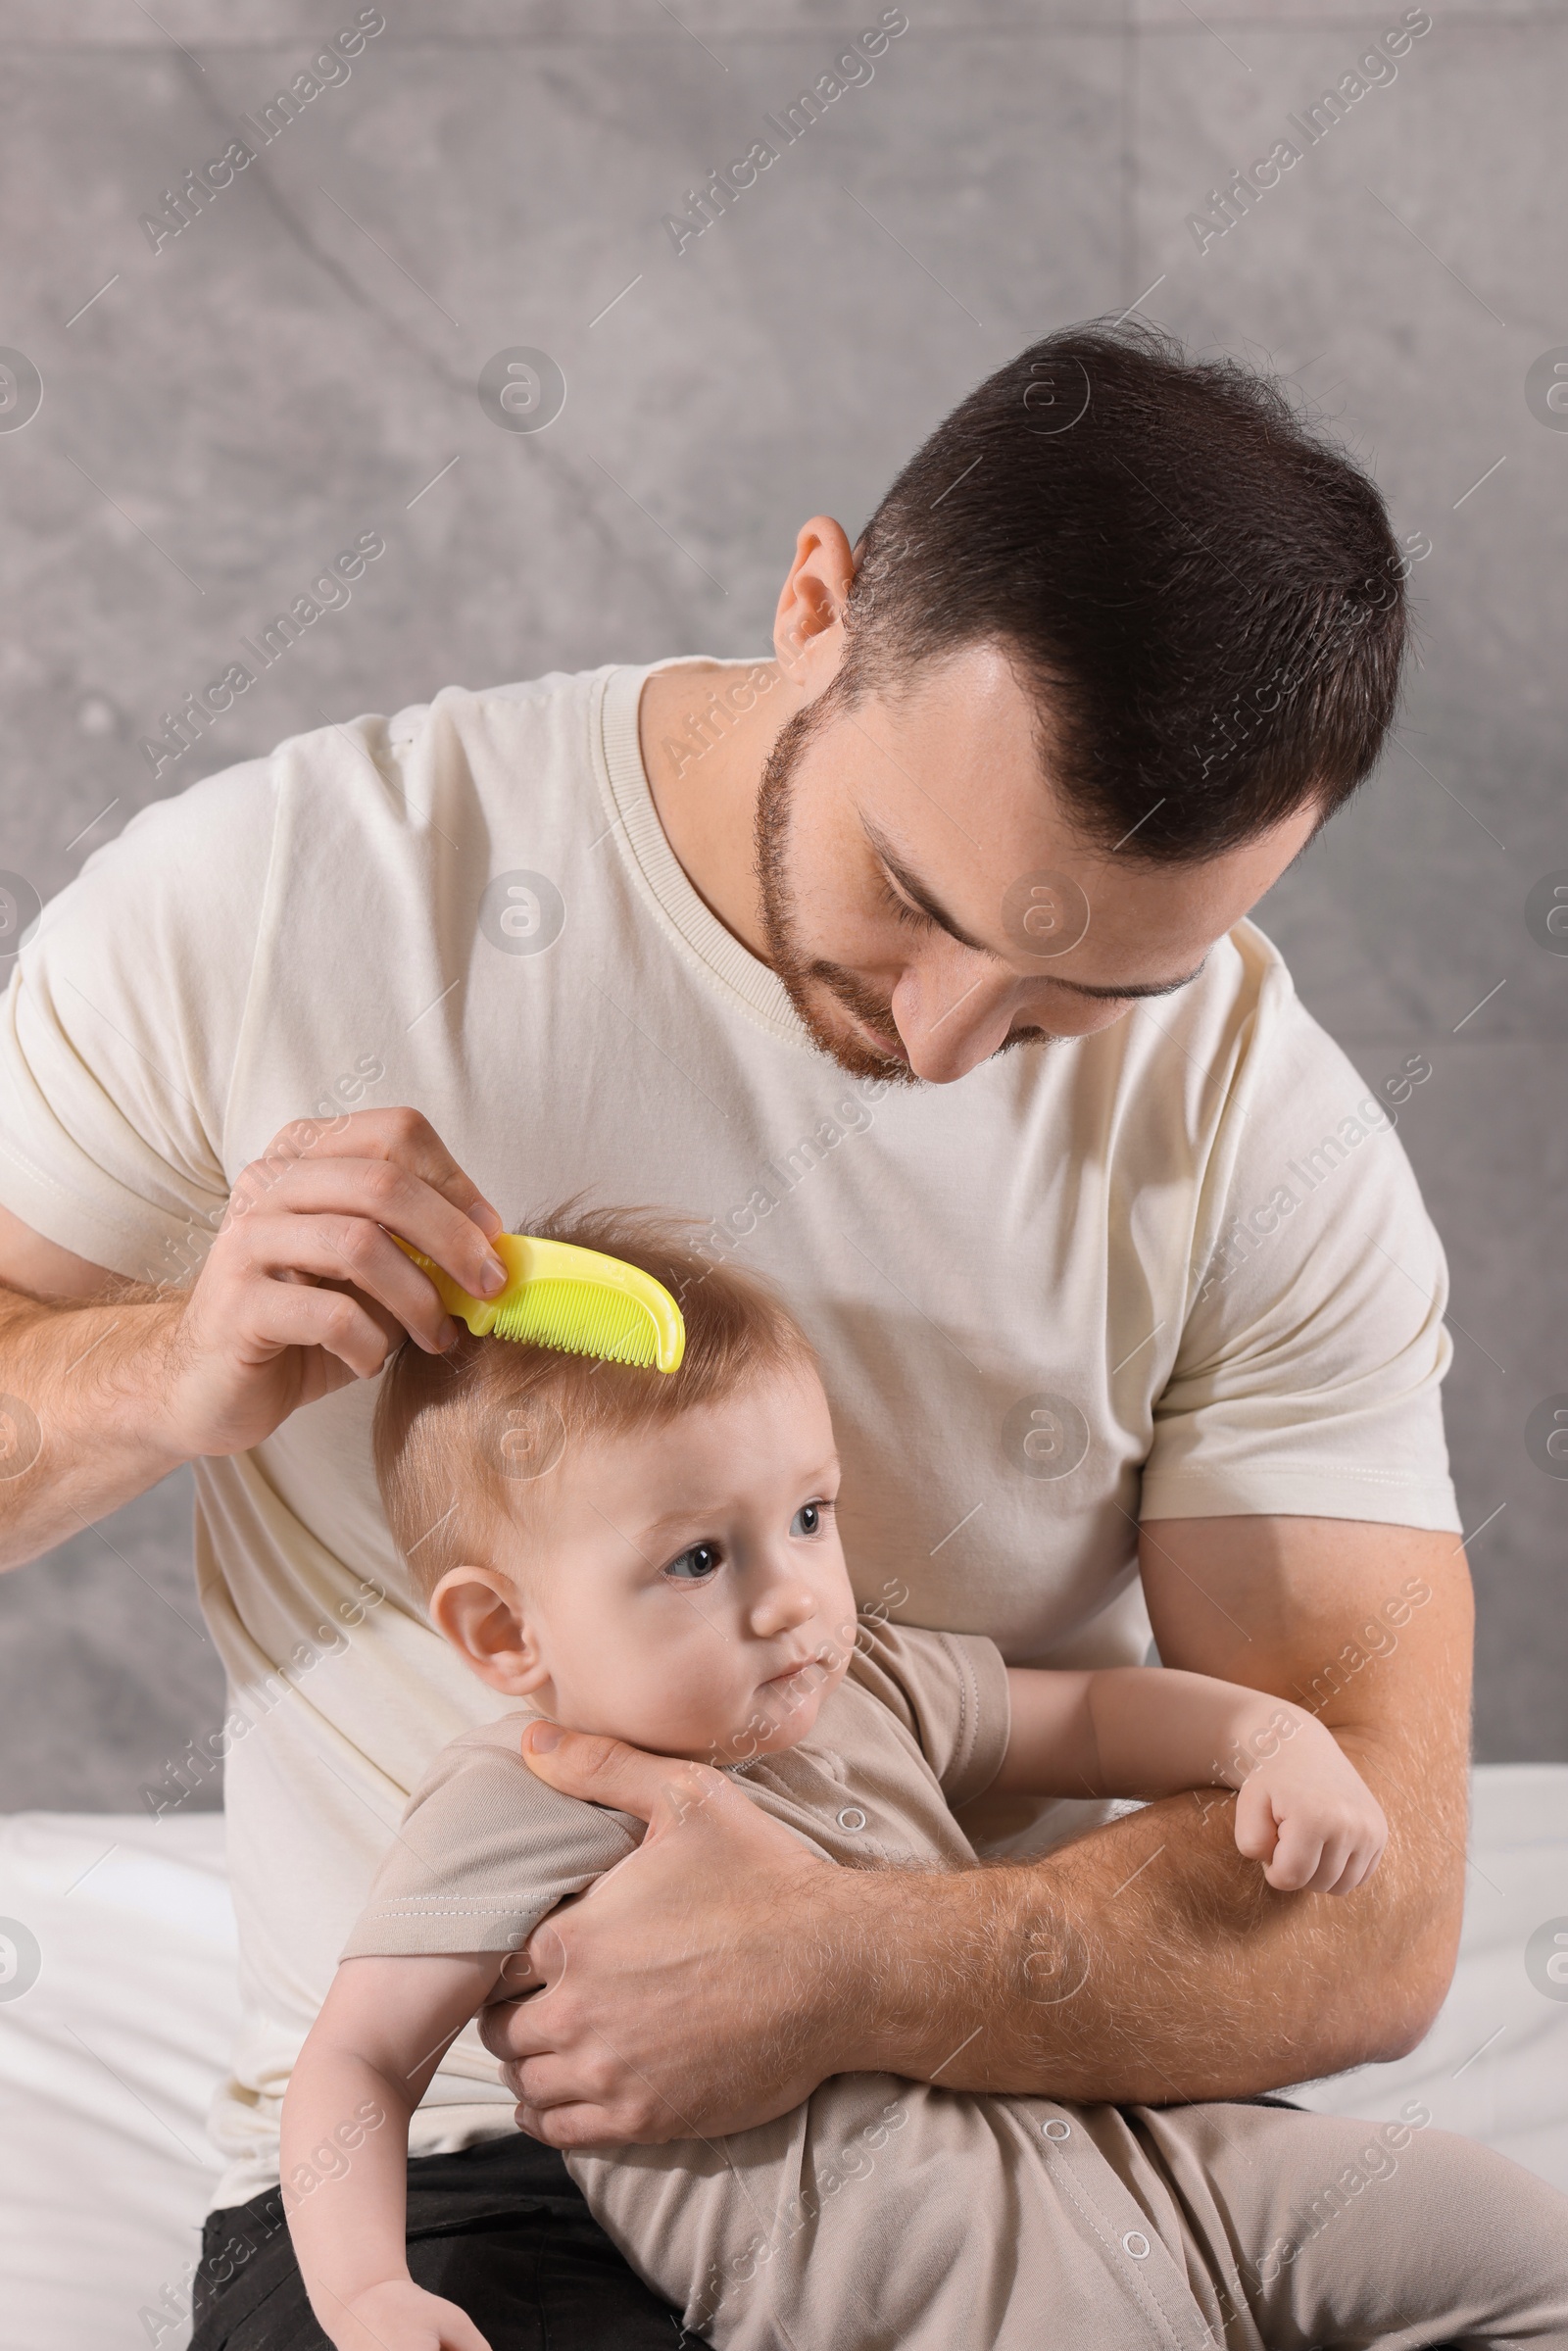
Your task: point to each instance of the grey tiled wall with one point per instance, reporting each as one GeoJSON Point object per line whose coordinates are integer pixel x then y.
{"type": "Point", "coordinates": [299, 364]}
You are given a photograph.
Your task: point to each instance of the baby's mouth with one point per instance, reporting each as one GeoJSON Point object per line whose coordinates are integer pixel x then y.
{"type": "Point", "coordinates": [792, 1673]}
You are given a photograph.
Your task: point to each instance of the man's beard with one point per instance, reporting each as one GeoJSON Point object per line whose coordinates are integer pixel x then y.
{"type": "Point", "coordinates": [801, 973]}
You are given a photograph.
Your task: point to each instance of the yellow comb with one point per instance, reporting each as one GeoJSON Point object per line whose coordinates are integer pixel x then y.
{"type": "Point", "coordinates": [572, 1298]}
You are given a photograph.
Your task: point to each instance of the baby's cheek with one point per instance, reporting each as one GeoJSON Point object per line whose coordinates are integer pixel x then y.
{"type": "Point", "coordinates": [682, 1704]}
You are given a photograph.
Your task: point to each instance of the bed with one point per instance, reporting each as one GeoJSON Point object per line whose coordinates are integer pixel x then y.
{"type": "Point", "coordinates": [117, 2000]}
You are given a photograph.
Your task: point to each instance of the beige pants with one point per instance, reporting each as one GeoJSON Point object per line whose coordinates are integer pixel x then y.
{"type": "Point", "coordinates": [885, 2215]}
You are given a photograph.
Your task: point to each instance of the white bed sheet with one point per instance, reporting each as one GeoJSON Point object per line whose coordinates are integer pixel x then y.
{"type": "Point", "coordinates": [108, 2060]}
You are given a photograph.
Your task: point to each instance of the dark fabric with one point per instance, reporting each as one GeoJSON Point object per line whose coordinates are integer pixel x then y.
{"type": "Point", "coordinates": [499, 2228]}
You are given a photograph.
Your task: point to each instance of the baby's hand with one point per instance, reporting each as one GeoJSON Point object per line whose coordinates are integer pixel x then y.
{"type": "Point", "coordinates": [1307, 1813]}
{"type": "Point", "coordinates": [399, 2315]}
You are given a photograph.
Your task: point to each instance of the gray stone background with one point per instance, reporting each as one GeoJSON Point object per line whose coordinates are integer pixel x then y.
{"type": "Point", "coordinates": [300, 364]}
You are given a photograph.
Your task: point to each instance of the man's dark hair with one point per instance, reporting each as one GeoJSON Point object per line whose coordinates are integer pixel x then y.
{"type": "Point", "coordinates": [1201, 593]}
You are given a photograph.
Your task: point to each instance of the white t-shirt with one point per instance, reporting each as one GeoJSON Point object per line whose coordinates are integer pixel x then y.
{"type": "Point", "coordinates": [1038, 1314]}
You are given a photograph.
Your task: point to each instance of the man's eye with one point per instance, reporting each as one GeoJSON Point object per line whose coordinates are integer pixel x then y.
{"type": "Point", "coordinates": [899, 906]}
{"type": "Point", "coordinates": [694, 1566]}
{"type": "Point", "coordinates": [807, 1520]}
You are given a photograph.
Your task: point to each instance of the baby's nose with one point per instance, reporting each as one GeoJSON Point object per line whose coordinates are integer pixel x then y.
{"type": "Point", "coordinates": [782, 1607]}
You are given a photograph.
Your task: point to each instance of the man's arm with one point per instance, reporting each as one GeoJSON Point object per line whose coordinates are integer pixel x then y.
{"type": "Point", "coordinates": [1200, 1981]}
{"type": "Point", "coordinates": [73, 1339]}
{"type": "Point", "coordinates": [106, 1385]}
{"type": "Point", "coordinates": [1145, 1962]}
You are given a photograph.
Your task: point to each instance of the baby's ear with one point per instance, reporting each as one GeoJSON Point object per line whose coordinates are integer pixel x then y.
{"type": "Point", "coordinates": [480, 1611]}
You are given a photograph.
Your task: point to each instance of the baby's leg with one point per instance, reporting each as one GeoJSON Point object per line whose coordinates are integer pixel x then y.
{"type": "Point", "coordinates": [884, 2215]}
{"type": "Point", "coordinates": [1318, 2230]}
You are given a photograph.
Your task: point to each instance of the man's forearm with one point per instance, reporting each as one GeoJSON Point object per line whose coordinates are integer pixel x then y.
{"type": "Point", "coordinates": [1150, 1962]}
{"type": "Point", "coordinates": [82, 1429]}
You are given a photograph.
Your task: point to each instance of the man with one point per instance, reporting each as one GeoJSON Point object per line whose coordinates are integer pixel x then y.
{"type": "Point", "coordinates": [914, 962]}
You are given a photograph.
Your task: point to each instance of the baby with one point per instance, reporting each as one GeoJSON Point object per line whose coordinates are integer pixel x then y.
{"type": "Point", "coordinates": [656, 1557]}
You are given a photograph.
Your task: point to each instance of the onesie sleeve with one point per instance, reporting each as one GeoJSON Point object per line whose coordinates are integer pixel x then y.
{"type": "Point", "coordinates": [949, 1690]}
{"type": "Point", "coordinates": [484, 1851]}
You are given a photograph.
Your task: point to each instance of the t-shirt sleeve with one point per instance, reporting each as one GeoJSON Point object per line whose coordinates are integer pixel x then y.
{"type": "Point", "coordinates": [949, 1690]}
{"type": "Point", "coordinates": [121, 1028]}
{"type": "Point", "coordinates": [484, 1851]}
{"type": "Point", "coordinates": [1307, 1380]}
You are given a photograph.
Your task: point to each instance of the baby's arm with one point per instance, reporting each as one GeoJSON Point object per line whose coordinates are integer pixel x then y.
{"type": "Point", "coordinates": [1302, 1809]}
{"type": "Point", "coordinates": [384, 2028]}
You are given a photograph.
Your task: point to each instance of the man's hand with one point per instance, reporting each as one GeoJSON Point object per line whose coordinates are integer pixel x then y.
{"type": "Point", "coordinates": [675, 1992]}
{"type": "Point", "coordinates": [303, 1289]}
{"type": "Point", "coordinates": [112, 1383]}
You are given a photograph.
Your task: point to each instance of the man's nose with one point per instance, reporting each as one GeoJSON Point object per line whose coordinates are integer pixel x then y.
{"type": "Point", "coordinates": [951, 1018]}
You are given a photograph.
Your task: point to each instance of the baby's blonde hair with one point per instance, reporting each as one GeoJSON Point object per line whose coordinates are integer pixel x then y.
{"type": "Point", "coordinates": [470, 1438]}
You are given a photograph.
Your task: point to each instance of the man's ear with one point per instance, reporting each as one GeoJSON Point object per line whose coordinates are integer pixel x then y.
{"type": "Point", "coordinates": [808, 638]}
{"type": "Point", "coordinates": [479, 1613]}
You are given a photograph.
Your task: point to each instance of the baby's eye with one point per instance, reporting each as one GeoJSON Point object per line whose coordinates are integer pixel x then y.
{"type": "Point", "coordinates": [694, 1566]}
{"type": "Point", "coordinates": [807, 1520]}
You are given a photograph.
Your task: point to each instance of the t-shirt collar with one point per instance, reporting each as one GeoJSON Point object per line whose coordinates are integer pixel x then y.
{"type": "Point", "coordinates": [642, 842]}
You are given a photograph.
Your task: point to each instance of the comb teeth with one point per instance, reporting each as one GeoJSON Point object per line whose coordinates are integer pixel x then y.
{"type": "Point", "coordinates": [581, 1319]}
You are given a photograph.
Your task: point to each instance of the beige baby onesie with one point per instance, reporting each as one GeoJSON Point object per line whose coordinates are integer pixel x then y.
{"type": "Point", "coordinates": [884, 2215]}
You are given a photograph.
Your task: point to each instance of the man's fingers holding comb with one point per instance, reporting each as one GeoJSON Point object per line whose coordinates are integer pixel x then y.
{"type": "Point", "coordinates": [406, 1136]}
{"type": "Point", "coordinates": [327, 1180]}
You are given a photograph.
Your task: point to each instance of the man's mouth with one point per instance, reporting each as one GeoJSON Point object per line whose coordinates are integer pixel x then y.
{"type": "Point", "coordinates": [871, 1023]}
{"type": "Point", "coordinates": [879, 1038]}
